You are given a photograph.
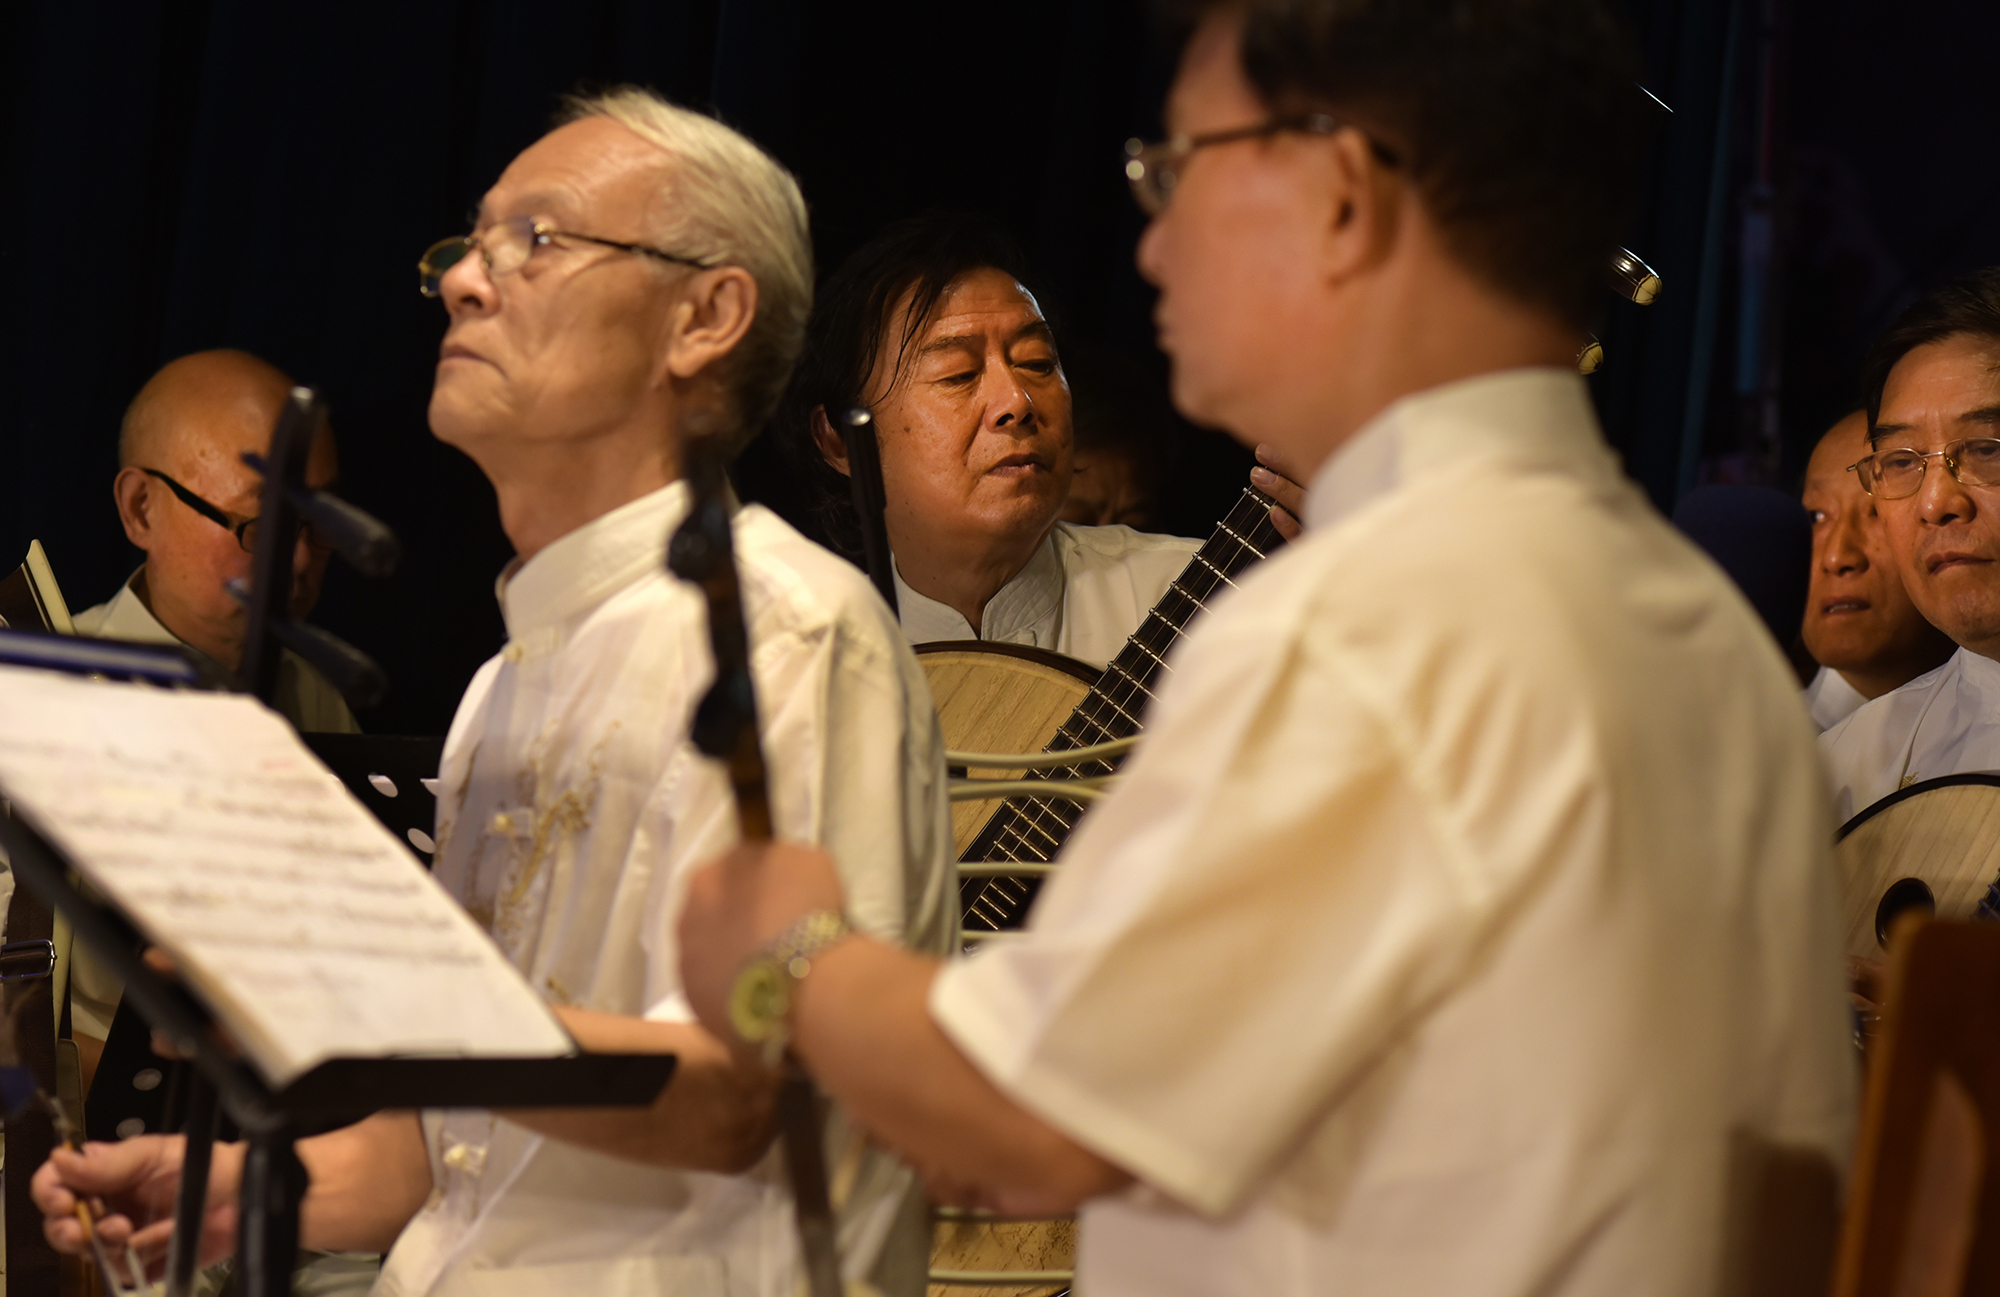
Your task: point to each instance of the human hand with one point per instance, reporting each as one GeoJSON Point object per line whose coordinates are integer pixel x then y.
{"type": "Point", "coordinates": [734, 907]}
{"type": "Point", "coordinates": [130, 1187]}
{"type": "Point", "coordinates": [1277, 479]}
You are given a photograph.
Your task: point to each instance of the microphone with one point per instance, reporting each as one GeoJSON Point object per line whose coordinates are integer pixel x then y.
{"type": "Point", "coordinates": [363, 541]}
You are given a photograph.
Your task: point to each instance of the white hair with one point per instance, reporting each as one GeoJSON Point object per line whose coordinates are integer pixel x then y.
{"type": "Point", "coordinates": [732, 204]}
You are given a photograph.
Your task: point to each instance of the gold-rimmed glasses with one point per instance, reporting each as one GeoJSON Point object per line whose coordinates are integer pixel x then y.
{"type": "Point", "coordinates": [1154, 169]}
{"type": "Point", "coordinates": [1894, 474]}
{"type": "Point", "coordinates": [505, 246]}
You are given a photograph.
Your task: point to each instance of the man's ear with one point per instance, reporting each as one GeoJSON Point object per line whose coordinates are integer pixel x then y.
{"type": "Point", "coordinates": [710, 319]}
{"type": "Point", "coordinates": [133, 491]}
{"type": "Point", "coordinates": [832, 446]}
{"type": "Point", "coordinates": [1364, 201]}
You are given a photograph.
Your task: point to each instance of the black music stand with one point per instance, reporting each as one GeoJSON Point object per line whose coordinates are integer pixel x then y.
{"type": "Point", "coordinates": [393, 775]}
{"type": "Point", "coordinates": [335, 1093]}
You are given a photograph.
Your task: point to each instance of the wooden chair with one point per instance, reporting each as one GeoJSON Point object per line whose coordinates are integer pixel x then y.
{"type": "Point", "coordinates": [1923, 1215]}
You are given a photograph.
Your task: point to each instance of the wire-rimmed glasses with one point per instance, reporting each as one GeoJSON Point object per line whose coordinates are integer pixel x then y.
{"type": "Point", "coordinates": [1154, 169]}
{"type": "Point", "coordinates": [1899, 472]}
{"type": "Point", "coordinates": [506, 245]}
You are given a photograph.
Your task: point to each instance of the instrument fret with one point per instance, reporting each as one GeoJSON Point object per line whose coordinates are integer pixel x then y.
{"type": "Point", "coordinates": [1033, 829]}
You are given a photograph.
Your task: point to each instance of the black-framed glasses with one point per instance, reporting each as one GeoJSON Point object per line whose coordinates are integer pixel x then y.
{"type": "Point", "coordinates": [245, 531]}
{"type": "Point", "coordinates": [506, 245]}
{"type": "Point", "coordinates": [1894, 474]}
{"type": "Point", "coordinates": [1154, 169]}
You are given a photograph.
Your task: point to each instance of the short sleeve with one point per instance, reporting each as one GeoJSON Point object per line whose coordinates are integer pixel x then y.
{"type": "Point", "coordinates": [1257, 915]}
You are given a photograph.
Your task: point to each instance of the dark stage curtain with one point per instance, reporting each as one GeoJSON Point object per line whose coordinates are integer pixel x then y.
{"type": "Point", "coordinates": [189, 175]}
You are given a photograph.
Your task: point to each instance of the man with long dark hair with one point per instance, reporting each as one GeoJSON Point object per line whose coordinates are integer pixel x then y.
{"type": "Point", "coordinates": [931, 326]}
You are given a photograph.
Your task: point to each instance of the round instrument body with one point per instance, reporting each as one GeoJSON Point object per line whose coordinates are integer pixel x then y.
{"type": "Point", "coordinates": [1935, 842]}
{"type": "Point", "coordinates": [1002, 1245]}
{"type": "Point", "coordinates": [999, 698]}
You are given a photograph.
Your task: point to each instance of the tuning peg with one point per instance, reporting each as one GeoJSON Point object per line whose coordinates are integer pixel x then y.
{"type": "Point", "coordinates": [1633, 278]}
{"type": "Point", "coordinates": [1592, 355]}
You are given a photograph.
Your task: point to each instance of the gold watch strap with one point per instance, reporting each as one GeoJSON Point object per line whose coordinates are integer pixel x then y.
{"type": "Point", "coordinates": [761, 1000]}
{"type": "Point", "coordinates": [794, 948]}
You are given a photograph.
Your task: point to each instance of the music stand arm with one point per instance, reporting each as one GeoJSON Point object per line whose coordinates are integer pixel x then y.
{"type": "Point", "coordinates": [191, 1202]}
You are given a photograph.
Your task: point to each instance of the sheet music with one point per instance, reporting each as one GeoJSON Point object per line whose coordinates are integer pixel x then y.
{"type": "Point", "coordinates": [305, 924]}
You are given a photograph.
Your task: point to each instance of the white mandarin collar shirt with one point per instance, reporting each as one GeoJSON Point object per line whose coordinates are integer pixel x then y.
{"type": "Point", "coordinates": [1465, 922]}
{"type": "Point", "coordinates": [572, 808]}
{"type": "Point", "coordinates": [1944, 722]}
{"type": "Point", "coordinates": [1830, 699]}
{"type": "Point", "coordinates": [1083, 593]}
{"type": "Point", "coordinates": [304, 697]}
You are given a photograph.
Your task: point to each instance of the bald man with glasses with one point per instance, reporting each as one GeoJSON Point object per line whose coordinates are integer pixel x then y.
{"type": "Point", "coordinates": [189, 501]}
{"type": "Point", "coordinates": [1934, 471]}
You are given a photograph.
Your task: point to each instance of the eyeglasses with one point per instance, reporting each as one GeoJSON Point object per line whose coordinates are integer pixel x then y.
{"type": "Point", "coordinates": [245, 532]}
{"type": "Point", "coordinates": [1893, 474]}
{"type": "Point", "coordinates": [506, 246]}
{"type": "Point", "coordinates": [1154, 169]}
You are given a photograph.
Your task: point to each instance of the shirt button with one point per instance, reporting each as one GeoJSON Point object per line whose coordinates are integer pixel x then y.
{"type": "Point", "coordinates": [503, 823]}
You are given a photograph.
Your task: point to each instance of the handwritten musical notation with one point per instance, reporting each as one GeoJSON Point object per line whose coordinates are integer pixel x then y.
{"type": "Point", "coordinates": [306, 925]}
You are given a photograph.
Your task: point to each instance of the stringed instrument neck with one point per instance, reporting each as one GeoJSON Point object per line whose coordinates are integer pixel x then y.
{"type": "Point", "coordinates": [1033, 829]}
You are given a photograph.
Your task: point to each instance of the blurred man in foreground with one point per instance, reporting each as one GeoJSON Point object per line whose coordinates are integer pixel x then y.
{"type": "Point", "coordinates": [635, 280]}
{"type": "Point", "coordinates": [1374, 974]}
{"type": "Point", "coordinates": [187, 498]}
{"type": "Point", "coordinates": [1934, 474]}
{"type": "Point", "coordinates": [1859, 625]}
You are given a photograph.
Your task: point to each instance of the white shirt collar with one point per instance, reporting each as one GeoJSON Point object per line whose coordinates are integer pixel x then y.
{"type": "Point", "coordinates": [1541, 414]}
{"type": "Point", "coordinates": [582, 569]}
{"type": "Point", "coordinates": [1831, 699]}
{"type": "Point", "coordinates": [1029, 598]}
{"type": "Point", "coordinates": [127, 617]}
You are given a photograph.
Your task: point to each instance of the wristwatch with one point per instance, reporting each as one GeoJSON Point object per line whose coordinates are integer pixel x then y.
{"type": "Point", "coordinates": [761, 1001]}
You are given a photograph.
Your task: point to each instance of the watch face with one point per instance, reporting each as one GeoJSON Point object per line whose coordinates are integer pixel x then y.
{"type": "Point", "coordinates": [758, 1001]}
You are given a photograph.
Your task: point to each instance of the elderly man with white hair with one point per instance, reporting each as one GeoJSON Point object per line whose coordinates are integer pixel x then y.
{"type": "Point", "coordinates": [643, 279]}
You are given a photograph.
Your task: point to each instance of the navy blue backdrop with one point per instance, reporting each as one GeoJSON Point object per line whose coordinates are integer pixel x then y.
{"type": "Point", "coordinates": [190, 175]}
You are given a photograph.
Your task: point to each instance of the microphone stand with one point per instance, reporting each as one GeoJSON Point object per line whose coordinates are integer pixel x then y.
{"type": "Point", "coordinates": [871, 502]}
{"type": "Point", "coordinates": [288, 503]}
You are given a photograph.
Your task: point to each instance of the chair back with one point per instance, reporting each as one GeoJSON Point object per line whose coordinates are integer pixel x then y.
{"type": "Point", "coordinates": [1923, 1215]}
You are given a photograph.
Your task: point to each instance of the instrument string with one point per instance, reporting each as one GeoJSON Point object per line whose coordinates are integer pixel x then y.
{"type": "Point", "coordinates": [1033, 829]}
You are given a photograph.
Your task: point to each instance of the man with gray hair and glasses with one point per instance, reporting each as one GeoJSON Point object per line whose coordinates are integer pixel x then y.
{"type": "Point", "coordinates": [1934, 470]}
{"type": "Point", "coordinates": [643, 280]}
